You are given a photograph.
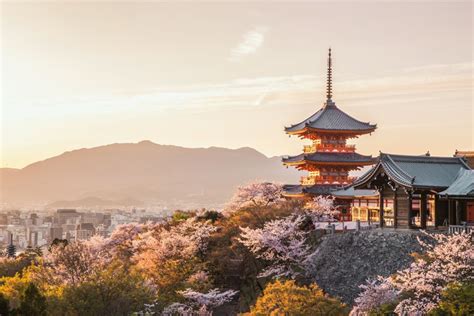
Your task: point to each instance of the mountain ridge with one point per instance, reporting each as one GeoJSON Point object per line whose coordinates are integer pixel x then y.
{"type": "Point", "coordinates": [152, 173]}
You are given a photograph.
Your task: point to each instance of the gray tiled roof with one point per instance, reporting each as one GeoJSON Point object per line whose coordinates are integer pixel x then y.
{"type": "Point", "coordinates": [330, 117]}
{"type": "Point", "coordinates": [416, 171]}
{"type": "Point", "coordinates": [463, 186]}
{"type": "Point", "coordinates": [354, 193]}
{"type": "Point", "coordinates": [296, 189]}
{"type": "Point", "coordinates": [329, 157]}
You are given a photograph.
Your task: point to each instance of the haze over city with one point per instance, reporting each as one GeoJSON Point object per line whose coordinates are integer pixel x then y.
{"type": "Point", "coordinates": [84, 74]}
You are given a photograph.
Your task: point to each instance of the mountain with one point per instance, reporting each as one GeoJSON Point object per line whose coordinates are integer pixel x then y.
{"type": "Point", "coordinates": [145, 172]}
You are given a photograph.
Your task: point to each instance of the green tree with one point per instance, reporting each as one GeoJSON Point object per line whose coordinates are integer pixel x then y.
{"type": "Point", "coordinates": [114, 291]}
{"type": "Point", "coordinates": [456, 299]}
{"type": "Point", "coordinates": [32, 302]}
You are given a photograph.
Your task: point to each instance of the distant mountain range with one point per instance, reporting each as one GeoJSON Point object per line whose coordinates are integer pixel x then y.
{"type": "Point", "coordinates": [139, 174]}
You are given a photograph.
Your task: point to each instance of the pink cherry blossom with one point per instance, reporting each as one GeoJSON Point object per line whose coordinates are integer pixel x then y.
{"type": "Point", "coordinates": [258, 194]}
{"type": "Point", "coordinates": [282, 242]}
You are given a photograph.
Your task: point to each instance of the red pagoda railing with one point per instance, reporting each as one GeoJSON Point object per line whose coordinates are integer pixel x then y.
{"type": "Point", "coordinates": [320, 180]}
{"type": "Point", "coordinates": [329, 148]}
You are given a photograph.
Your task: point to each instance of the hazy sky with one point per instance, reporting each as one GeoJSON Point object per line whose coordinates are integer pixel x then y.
{"type": "Point", "coordinates": [83, 74]}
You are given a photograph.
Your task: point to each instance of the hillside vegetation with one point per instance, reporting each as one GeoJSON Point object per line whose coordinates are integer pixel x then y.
{"type": "Point", "coordinates": [261, 255]}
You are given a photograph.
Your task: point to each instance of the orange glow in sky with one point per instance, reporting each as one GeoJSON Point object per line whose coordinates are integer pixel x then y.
{"type": "Point", "coordinates": [80, 74]}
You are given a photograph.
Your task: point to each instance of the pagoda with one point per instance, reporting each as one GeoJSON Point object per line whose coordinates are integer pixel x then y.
{"type": "Point", "coordinates": [328, 159]}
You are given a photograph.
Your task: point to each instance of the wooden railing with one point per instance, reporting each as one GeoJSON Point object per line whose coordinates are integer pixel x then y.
{"type": "Point", "coordinates": [308, 149]}
{"type": "Point", "coordinates": [457, 229]}
{"type": "Point", "coordinates": [321, 180]}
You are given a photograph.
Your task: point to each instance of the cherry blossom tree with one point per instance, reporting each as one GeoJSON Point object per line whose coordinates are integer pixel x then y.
{"type": "Point", "coordinates": [172, 310]}
{"type": "Point", "coordinates": [282, 242]}
{"type": "Point", "coordinates": [449, 260]}
{"type": "Point", "coordinates": [184, 240]}
{"type": "Point", "coordinates": [211, 299]}
{"type": "Point", "coordinates": [121, 242]}
{"type": "Point", "coordinates": [376, 291]}
{"type": "Point", "coordinates": [255, 194]}
{"type": "Point", "coordinates": [75, 262]}
{"type": "Point", "coordinates": [200, 304]}
{"type": "Point", "coordinates": [321, 208]}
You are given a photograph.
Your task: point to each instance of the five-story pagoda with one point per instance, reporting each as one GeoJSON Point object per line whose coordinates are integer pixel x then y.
{"type": "Point", "coordinates": [329, 158]}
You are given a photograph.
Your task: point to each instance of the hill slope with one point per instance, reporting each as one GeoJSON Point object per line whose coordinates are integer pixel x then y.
{"type": "Point", "coordinates": [146, 172]}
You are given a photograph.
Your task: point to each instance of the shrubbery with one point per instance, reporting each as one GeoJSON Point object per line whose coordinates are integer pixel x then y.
{"type": "Point", "coordinates": [287, 298]}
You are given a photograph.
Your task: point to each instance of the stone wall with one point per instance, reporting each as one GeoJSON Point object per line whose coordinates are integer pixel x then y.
{"type": "Point", "coordinates": [346, 260]}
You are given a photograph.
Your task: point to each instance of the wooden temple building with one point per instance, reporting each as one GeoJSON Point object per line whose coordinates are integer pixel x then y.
{"type": "Point", "coordinates": [328, 159]}
{"type": "Point", "coordinates": [415, 192]}
{"type": "Point", "coordinates": [399, 191]}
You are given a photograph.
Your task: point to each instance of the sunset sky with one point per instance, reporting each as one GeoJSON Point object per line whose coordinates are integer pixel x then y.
{"type": "Point", "coordinates": [82, 74]}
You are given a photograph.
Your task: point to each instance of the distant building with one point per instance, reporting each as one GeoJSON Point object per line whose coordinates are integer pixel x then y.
{"type": "Point", "coordinates": [32, 238]}
{"type": "Point", "coordinates": [55, 232]}
{"type": "Point", "coordinates": [67, 216]}
{"type": "Point", "coordinates": [85, 231]}
{"type": "Point", "coordinates": [3, 219]}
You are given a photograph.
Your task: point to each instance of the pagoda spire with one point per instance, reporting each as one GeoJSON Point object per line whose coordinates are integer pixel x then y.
{"type": "Point", "coordinates": [329, 82]}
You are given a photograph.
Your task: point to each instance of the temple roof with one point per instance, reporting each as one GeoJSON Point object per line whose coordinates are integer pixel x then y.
{"type": "Point", "coordinates": [324, 157]}
{"type": "Point", "coordinates": [298, 189]}
{"type": "Point", "coordinates": [331, 118]}
{"type": "Point", "coordinates": [467, 154]}
{"type": "Point", "coordinates": [350, 193]}
{"type": "Point", "coordinates": [462, 187]}
{"type": "Point", "coordinates": [416, 171]}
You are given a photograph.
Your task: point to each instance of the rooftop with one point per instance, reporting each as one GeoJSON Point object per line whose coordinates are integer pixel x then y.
{"type": "Point", "coordinates": [350, 192]}
{"type": "Point", "coordinates": [297, 189]}
{"type": "Point", "coordinates": [416, 171]}
{"type": "Point", "coordinates": [331, 118]}
{"type": "Point", "coordinates": [324, 157]}
{"type": "Point", "coordinates": [463, 186]}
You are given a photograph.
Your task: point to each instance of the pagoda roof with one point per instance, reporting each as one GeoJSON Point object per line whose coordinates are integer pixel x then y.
{"type": "Point", "coordinates": [328, 158]}
{"type": "Point", "coordinates": [462, 187]}
{"type": "Point", "coordinates": [417, 172]}
{"type": "Point", "coordinates": [331, 119]}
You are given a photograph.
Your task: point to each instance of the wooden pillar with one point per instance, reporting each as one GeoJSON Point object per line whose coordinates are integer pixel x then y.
{"type": "Point", "coordinates": [395, 208]}
{"type": "Point", "coordinates": [458, 213]}
{"type": "Point", "coordinates": [410, 211]}
{"type": "Point", "coordinates": [451, 213]}
{"type": "Point", "coordinates": [368, 214]}
{"type": "Point", "coordinates": [381, 208]}
{"type": "Point", "coordinates": [435, 212]}
{"type": "Point", "coordinates": [423, 211]}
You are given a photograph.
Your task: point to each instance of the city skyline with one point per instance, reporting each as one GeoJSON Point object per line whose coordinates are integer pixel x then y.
{"type": "Point", "coordinates": [90, 74]}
